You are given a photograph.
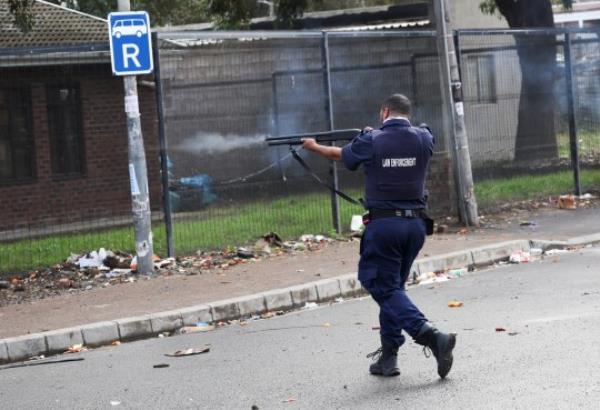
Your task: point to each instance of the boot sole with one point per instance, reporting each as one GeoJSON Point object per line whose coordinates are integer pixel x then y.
{"type": "Point", "coordinates": [386, 374]}
{"type": "Point", "coordinates": [445, 362]}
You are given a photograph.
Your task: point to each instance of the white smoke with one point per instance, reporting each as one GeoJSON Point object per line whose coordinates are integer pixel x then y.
{"type": "Point", "coordinates": [213, 143]}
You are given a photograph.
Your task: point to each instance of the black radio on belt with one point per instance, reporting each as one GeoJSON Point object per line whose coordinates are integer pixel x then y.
{"type": "Point", "coordinates": [401, 213]}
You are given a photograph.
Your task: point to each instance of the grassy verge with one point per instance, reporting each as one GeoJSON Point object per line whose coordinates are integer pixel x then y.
{"type": "Point", "coordinates": [589, 142]}
{"type": "Point", "coordinates": [497, 191]}
{"type": "Point", "coordinates": [209, 229]}
{"type": "Point", "coordinates": [236, 225]}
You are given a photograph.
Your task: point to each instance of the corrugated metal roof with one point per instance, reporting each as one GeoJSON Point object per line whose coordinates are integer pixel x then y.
{"type": "Point", "coordinates": [384, 26]}
{"type": "Point", "coordinates": [53, 26]}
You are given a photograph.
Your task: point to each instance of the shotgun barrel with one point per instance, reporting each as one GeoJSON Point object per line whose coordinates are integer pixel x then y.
{"type": "Point", "coordinates": [325, 136]}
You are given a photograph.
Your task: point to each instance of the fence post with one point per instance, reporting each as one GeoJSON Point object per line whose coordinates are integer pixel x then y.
{"type": "Point", "coordinates": [451, 88]}
{"type": "Point", "coordinates": [162, 138]}
{"type": "Point", "coordinates": [335, 203]}
{"type": "Point", "coordinates": [574, 145]}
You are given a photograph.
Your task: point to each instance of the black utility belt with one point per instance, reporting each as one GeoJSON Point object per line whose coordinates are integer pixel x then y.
{"type": "Point", "coordinates": [401, 213]}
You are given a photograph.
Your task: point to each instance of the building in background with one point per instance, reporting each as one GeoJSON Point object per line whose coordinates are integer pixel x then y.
{"type": "Point", "coordinates": [63, 133]}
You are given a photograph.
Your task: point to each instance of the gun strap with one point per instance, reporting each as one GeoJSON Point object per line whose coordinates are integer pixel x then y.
{"type": "Point", "coordinates": [308, 169]}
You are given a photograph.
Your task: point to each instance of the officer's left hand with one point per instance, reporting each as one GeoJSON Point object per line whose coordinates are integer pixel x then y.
{"type": "Point", "coordinates": [309, 144]}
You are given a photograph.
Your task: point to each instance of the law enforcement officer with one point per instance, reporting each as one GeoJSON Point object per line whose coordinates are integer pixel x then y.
{"type": "Point", "coordinates": [395, 159]}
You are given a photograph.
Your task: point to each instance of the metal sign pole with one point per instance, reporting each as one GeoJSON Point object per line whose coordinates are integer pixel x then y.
{"type": "Point", "coordinates": [138, 172]}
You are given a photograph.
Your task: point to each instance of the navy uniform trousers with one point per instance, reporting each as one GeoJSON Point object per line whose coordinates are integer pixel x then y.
{"type": "Point", "coordinates": [388, 248]}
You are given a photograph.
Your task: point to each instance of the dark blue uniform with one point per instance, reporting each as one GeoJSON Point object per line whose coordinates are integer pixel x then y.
{"type": "Point", "coordinates": [395, 160]}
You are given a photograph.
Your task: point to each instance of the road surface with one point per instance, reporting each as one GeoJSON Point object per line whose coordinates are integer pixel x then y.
{"type": "Point", "coordinates": [315, 359]}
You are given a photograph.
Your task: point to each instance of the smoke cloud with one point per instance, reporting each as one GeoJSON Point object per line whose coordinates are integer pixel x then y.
{"type": "Point", "coordinates": [214, 143]}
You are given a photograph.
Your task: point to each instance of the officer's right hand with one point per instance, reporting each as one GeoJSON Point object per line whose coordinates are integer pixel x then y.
{"type": "Point", "coordinates": [367, 129]}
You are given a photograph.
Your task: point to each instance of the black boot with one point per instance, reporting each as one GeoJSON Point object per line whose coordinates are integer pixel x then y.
{"type": "Point", "coordinates": [387, 360]}
{"type": "Point", "coordinates": [440, 344]}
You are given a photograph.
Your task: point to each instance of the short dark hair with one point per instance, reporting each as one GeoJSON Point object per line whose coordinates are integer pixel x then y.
{"type": "Point", "coordinates": [397, 103]}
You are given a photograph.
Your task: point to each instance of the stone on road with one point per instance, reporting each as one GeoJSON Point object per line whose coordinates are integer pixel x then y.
{"type": "Point", "coordinates": [547, 357]}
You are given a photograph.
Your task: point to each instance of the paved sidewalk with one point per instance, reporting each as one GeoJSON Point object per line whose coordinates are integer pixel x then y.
{"type": "Point", "coordinates": [176, 292]}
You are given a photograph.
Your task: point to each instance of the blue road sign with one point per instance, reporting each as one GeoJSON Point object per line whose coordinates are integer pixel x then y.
{"type": "Point", "coordinates": [130, 42]}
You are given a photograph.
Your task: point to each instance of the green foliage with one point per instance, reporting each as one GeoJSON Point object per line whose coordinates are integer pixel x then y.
{"type": "Point", "coordinates": [491, 7]}
{"type": "Point", "coordinates": [288, 11]}
{"type": "Point", "coordinates": [21, 9]}
{"type": "Point", "coordinates": [232, 14]}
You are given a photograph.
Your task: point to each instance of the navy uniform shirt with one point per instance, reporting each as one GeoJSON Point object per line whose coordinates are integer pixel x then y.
{"type": "Point", "coordinates": [360, 151]}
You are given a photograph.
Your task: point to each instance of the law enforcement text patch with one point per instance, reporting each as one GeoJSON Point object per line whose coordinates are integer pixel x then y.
{"type": "Point", "coordinates": [398, 162]}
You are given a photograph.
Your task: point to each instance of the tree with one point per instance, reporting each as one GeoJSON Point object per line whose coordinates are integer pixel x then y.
{"type": "Point", "coordinates": [536, 134]}
{"type": "Point", "coordinates": [161, 12]}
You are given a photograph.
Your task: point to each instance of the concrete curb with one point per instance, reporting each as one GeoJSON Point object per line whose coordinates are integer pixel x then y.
{"type": "Point", "coordinates": [126, 329]}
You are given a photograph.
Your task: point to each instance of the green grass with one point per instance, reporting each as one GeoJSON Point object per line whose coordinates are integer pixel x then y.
{"type": "Point", "coordinates": [212, 228]}
{"type": "Point", "coordinates": [497, 191]}
{"type": "Point", "coordinates": [589, 142]}
{"type": "Point", "coordinates": [290, 217]}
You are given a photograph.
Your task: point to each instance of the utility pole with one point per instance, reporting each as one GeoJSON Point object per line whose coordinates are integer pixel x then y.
{"type": "Point", "coordinates": [140, 199]}
{"type": "Point", "coordinates": [454, 118]}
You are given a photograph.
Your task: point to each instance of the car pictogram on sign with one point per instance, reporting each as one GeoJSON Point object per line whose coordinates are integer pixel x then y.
{"type": "Point", "coordinates": [129, 27]}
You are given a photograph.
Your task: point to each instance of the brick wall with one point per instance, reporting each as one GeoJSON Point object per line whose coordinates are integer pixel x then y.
{"type": "Point", "coordinates": [103, 191]}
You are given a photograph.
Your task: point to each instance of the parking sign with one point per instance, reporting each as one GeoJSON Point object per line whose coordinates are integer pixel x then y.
{"type": "Point", "coordinates": [130, 43]}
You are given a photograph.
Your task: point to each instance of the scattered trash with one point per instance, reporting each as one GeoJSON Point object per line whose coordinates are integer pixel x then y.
{"type": "Point", "coordinates": [457, 273]}
{"type": "Point", "coordinates": [586, 196]}
{"type": "Point", "coordinates": [94, 260]}
{"type": "Point", "coordinates": [520, 257]}
{"type": "Point", "coordinates": [134, 263]}
{"type": "Point", "coordinates": [299, 270]}
{"type": "Point", "coordinates": [116, 343]}
{"type": "Point", "coordinates": [527, 223]}
{"type": "Point", "coordinates": [463, 231]}
{"type": "Point", "coordinates": [500, 329]}
{"type": "Point", "coordinates": [188, 352]}
{"type": "Point", "coordinates": [553, 252]}
{"type": "Point", "coordinates": [115, 403]}
{"type": "Point", "coordinates": [376, 328]}
{"type": "Point", "coordinates": [513, 333]}
{"type": "Point", "coordinates": [535, 252]}
{"type": "Point", "coordinates": [290, 400]}
{"type": "Point", "coordinates": [339, 300]}
{"type": "Point", "coordinates": [160, 365]}
{"type": "Point", "coordinates": [455, 304]}
{"type": "Point", "coordinates": [326, 324]}
{"type": "Point", "coordinates": [442, 228]}
{"type": "Point", "coordinates": [432, 277]}
{"type": "Point", "coordinates": [103, 268]}
{"type": "Point", "coordinates": [40, 362]}
{"type": "Point", "coordinates": [567, 202]}
{"type": "Point", "coordinates": [245, 253]}
{"type": "Point", "coordinates": [270, 314]}
{"type": "Point", "coordinates": [77, 348]}
{"type": "Point", "coordinates": [310, 305]}
{"type": "Point", "coordinates": [356, 224]}
{"type": "Point", "coordinates": [254, 407]}
{"type": "Point", "coordinates": [200, 327]}
{"type": "Point", "coordinates": [164, 263]}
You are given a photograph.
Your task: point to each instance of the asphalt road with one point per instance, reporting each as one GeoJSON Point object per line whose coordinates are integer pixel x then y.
{"type": "Point", "coordinates": [547, 359]}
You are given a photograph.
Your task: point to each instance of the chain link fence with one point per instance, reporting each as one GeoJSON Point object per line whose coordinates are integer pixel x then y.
{"type": "Point", "coordinates": [224, 93]}
{"type": "Point", "coordinates": [530, 106]}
